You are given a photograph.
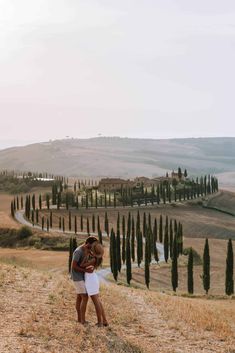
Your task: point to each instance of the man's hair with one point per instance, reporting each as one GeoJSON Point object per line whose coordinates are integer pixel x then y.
{"type": "Point", "coordinates": [90, 240]}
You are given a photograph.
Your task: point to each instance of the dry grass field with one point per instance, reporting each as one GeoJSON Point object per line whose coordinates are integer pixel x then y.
{"type": "Point", "coordinates": [38, 316]}
{"type": "Point", "coordinates": [224, 201]}
{"type": "Point", "coordinates": [6, 220]}
{"type": "Point", "coordinates": [37, 297]}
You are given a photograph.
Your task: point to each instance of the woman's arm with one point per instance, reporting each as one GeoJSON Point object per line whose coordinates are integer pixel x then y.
{"type": "Point", "coordinates": [87, 263]}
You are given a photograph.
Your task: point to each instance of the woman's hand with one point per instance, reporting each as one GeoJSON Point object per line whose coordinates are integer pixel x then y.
{"type": "Point", "coordinates": [90, 269]}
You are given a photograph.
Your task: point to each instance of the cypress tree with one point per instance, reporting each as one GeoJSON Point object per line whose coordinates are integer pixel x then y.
{"type": "Point", "coordinates": [33, 202]}
{"type": "Point", "coordinates": [114, 256]}
{"type": "Point", "coordinates": [63, 224]}
{"type": "Point", "coordinates": [139, 246]}
{"type": "Point", "coordinates": [148, 243]}
{"type": "Point", "coordinates": [118, 251]}
{"type": "Point", "coordinates": [100, 236]}
{"type": "Point", "coordinates": [174, 266]}
{"type": "Point", "coordinates": [166, 244]}
{"type": "Point", "coordinates": [146, 262]}
{"type": "Point", "coordinates": [155, 250]}
{"type": "Point", "coordinates": [128, 260]}
{"type": "Point", "coordinates": [50, 219]}
{"type": "Point", "coordinates": [160, 229]}
{"type": "Point", "coordinates": [91, 198]}
{"type": "Point", "coordinates": [40, 201]}
{"type": "Point", "coordinates": [114, 200]}
{"type": "Point", "coordinates": [48, 201]}
{"type": "Point", "coordinates": [133, 239]}
{"type": "Point", "coordinates": [149, 222]}
{"type": "Point", "coordinates": [155, 230]}
{"type": "Point", "coordinates": [111, 250]}
{"type": "Point", "coordinates": [60, 222]}
{"type": "Point", "coordinates": [129, 225]}
{"type": "Point", "coordinates": [98, 223]}
{"type": "Point", "coordinates": [28, 207]}
{"type": "Point", "coordinates": [88, 226]}
{"type": "Point", "coordinates": [75, 225]}
{"type": "Point", "coordinates": [118, 243]}
{"type": "Point", "coordinates": [32, 216]}
{"type": "Point", "coordinates": [12, 210]}
{"type": "Point", "coordinates": [144, 225]}
{"type": "Point", "coordinates": [181, 239]}
{"type": "Point", "coordinates": [75, 245]}
{"type": "Point", "coordinates": [123, 239]}
{"type": "Point", "coordinates": [106, 224]}
{"type": "Point", "coordinates": [93, 223]}
{"type": "Point", "coordinates": [42, 222]}
{"type": "Point", "coordinates": [206, 267]}
{"type": "Point", "coordinates": [58, 200]}
{"type": "Point", "coordinates": [190, 272]}
{"type": "Point", "coordinates": [229, 282]}
{"type": "Point", "coordinates": [105, 199]}
{"type": "Point", "coordinates": [171, 238]}
{"type": "Point", "coordinates": [47, 225]}
{"type": "Point", "coordinates": [96, 199]}
{"type": "Point", "coordinates": [138, 221]}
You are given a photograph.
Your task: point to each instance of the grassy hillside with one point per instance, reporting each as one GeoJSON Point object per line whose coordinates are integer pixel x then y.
{"type": "Point", "coordinates": [114, 156]}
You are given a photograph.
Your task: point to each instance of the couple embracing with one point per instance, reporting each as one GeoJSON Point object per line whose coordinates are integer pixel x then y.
{"type": "Point", "coordinates": [86, 259]}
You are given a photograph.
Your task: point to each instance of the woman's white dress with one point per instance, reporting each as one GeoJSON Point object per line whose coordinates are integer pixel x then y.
{"type": "Point", "coordinates": [92, 283]}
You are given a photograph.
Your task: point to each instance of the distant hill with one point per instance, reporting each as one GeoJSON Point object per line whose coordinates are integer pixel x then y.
{"type": "Point", "coordinates": [125, 157]}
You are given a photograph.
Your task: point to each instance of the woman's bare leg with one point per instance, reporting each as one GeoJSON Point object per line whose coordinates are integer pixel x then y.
{"type": "Point", "coordinates": [98, 308]}
{"type": "Point", "coordinates": [105, 322]}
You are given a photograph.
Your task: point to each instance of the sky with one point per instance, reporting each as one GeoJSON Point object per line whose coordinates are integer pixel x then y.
{"type": "Point", "coordinates": [150, 68]}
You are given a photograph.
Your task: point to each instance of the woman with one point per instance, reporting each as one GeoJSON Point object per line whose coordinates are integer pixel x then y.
{"type": "Point", "coordinates": [92, 261]}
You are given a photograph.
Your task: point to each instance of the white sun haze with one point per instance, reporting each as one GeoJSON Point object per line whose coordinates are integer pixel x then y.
{"type": "Point", "coordinates": [130, 68]}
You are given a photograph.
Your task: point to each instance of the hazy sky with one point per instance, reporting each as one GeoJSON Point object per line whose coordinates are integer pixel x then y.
{"type": "Point", "coordinates": [135, 68]}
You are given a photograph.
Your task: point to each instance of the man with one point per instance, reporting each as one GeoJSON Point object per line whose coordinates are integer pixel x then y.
{"type": "Point", "coordinates": [78, 274]}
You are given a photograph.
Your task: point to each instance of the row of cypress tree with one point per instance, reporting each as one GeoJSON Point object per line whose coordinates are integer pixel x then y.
{"type": "Point", "coordinates": [149, 250]}
{"type": "Point", "coordinates": [166, 191]}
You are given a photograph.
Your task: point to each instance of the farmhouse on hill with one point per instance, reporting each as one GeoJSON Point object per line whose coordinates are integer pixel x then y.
{"type": "Point", "coordinates": [112, 184]}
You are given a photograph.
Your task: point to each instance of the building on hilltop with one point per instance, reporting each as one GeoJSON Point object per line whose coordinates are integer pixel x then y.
{"type": "Point", "coordinates": [146, 182]}
{"type": "Point", "coordinates": [113, 184]}
{"type": "Point", "coordinates": [175, 175]}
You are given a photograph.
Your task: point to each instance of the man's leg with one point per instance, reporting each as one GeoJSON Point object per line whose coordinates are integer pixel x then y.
{"type": "Point", "coordinates": [98, 309]}
{"type": "Point", "coordinates": [78, 306]}
{"type": "Point", "coordinates": [83, 305]}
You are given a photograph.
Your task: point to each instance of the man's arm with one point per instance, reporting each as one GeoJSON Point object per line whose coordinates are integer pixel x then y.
{"type": "Point", "coordinates": [80, 269]}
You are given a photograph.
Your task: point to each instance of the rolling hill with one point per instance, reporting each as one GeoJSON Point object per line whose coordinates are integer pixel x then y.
{"type": "Point", "coordinates": [125, 157]}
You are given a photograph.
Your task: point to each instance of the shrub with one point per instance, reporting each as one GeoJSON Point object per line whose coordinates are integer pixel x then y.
{"type": "Point", "coordinates": [24, 232]}
{"type": "Point", "coordinates": [197, 260]}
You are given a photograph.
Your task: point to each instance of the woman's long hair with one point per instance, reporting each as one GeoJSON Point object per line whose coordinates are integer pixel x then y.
{"type": "Point", "coordinates": [99, 262]}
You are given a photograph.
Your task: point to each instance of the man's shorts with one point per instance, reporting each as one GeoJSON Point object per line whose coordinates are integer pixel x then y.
{"type": "Point", "coordinates": [80, 287]}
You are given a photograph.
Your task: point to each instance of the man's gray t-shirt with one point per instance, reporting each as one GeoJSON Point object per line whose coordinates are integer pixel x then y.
{"type": "Point", "coordinates": [78, 257]}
